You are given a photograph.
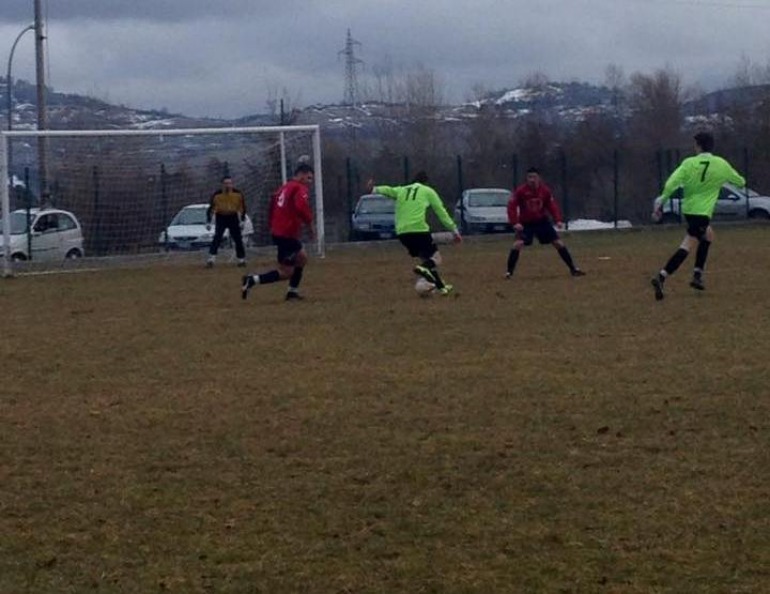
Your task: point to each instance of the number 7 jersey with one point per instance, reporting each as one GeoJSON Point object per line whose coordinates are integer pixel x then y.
{"type": "Point", "coordinates": [701, 178]}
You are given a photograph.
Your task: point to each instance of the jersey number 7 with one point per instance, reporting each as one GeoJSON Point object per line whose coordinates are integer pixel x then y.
{"type": "Point", "coordinates": [705, 165]}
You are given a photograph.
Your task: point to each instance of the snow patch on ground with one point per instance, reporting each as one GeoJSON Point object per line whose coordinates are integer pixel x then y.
{"type": "Point", "coordinates": [591, 225]}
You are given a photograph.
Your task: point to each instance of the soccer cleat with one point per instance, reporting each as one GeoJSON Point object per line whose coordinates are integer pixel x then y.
{"type": "Point", "coordinates": [445, 290]}
{"type": "Point", "coordinates": [577, 272]}
{"type": "Point", "coordinates": [657, 284]}
{"type": "Point", "coordinates": [425, 273]}
{"type": "Point", "coordinates": [246, 283]}
{"type": "Point", "coordinates": [697, 283]}
{"type": "Point", "coordinates": [294, 296]}
{"type": "Point", "coordinates": [241, 263]}
{"type": "Point", "coordinates": [508, 275]}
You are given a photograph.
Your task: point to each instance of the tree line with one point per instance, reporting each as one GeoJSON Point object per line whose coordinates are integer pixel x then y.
{"type": "Point", "coordinates": [608, 160]}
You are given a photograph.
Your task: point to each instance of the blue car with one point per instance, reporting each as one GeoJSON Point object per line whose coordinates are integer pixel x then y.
{"type": "Point", "coordinates": [374, 218]}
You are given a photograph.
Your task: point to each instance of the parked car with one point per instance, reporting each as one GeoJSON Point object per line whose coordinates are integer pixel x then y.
{"type": "Point", "coordinates": [374, 217]}
{"type": "Point", "coordinates": [483, 210]}
{"type": "Point", "coordinates": [56, 235]}
{"type": "Point", "coordinates": [188, 230]}
{"type": "Point", "coordinates": [731, 205]}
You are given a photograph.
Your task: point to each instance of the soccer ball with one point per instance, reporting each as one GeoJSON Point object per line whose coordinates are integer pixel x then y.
{"type": "Point", "coordinates": [423, 287]}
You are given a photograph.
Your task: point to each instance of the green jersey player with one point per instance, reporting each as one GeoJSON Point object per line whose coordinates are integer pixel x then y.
{"type": "Point", "coordinates": [701, 178]}
{"type": "Point", "coordinates": [412, 229]}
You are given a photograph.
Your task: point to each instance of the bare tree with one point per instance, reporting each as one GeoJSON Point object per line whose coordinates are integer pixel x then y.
{"type": "Point", "coordinates": [655, 101]}
{"type": "Point", "coordinates": [277, 99]}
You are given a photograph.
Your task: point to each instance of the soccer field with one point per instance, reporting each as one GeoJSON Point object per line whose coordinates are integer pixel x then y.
{"type": "Point", "coordinates": [545, 434]}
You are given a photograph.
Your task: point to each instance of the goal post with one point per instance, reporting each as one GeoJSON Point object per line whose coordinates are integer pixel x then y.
{"type": "Point", "coordinates": [125, 186]}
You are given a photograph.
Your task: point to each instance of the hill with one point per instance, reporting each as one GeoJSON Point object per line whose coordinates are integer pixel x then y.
{"type": "Point", "coordinates": [569, 102]}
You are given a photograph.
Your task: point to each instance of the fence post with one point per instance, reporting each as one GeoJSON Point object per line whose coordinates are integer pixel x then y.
{"type": "Point", "coordinates": [164, 204]}
{"type": "Point", "coordinates": [28, 203]}
{"type": "Point", "coordinates": [349, 180]}
{"type": "Point", "coordinates": [460, 188]}
{"type": "Point", "coordinates": [565, 190]}
{"type": "Point", "coordinates": [97, 213]}
{"type": "Point", "coordinates": [615, 174]}
{"type": "Point", "coordinates": [746, 175]}
{"type": "Point", "coordinates": [406, 169]}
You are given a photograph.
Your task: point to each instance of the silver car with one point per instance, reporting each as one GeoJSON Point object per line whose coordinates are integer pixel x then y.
{"type": "Point", "coordinates": [55, 235]}
{"type": "Point", "coordinates": [733, 204]}
{"type": "Point", "coordinates": [483, 210]}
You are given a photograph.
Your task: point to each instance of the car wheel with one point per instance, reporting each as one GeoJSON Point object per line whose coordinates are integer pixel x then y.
{"type": "Point", "coordinates": [759, 214]}
{"type": "Point", "coordinates": [74, 254]}
{"type": "Point", "coordinates": [18, 258]}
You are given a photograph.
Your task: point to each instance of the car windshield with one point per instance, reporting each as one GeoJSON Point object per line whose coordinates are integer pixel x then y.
{"type": "Point", "coordinates": [18, 222]}
{"type": "Point", "coordinates": [190, 216]}
{"type": "Point", "coordinates": [747, 192]}
{"type": "Point", "coordinates": [487, 199]}
{"type": "Point", "coordinates": [376, 205]}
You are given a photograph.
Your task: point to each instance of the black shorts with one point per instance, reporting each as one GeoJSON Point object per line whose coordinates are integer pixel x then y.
{"type": "Point", "coordinates": [288, 248]}
{"type": "Point", "coordinates": [419, 245]}
{"type": "Point", "coordinates": [697, 225]}
{"type": "Point", "coordinates": [543, 230]}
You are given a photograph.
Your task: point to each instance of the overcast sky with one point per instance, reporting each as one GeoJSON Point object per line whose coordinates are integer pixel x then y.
{"type": "Point", "coordinates": [222, 58]}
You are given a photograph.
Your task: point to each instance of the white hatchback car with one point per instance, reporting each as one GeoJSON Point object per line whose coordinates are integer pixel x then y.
{"type": "Point", "coordinates": [188, 230]}
{"type": "Point", "coordinates": [56, 235]}
{"type": "Point", "coordinates": [733, 204]}
{"type": "Point", "coordinates": [483, 210]}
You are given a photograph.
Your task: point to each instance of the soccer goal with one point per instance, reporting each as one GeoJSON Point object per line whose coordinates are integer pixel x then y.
{"type": "Point", "coordinates": [126, 189]}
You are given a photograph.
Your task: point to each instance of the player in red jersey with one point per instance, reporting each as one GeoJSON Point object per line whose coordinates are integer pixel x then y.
{"type": "Point", "coordinates": [289, 212]}
{"type": "Point", "coordinates": [530, 211]}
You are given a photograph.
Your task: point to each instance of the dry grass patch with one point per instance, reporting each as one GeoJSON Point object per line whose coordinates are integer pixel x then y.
{"type": "Point", "coordinates": [547, 434]}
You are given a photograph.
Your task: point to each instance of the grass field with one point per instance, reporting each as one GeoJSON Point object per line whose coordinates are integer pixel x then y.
{"type": "Point", "coordinates": [546, 434]}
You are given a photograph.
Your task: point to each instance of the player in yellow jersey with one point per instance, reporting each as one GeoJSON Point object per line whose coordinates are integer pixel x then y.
{"type": "Point", "coordinates": [701, 178]}
{"type": "Point", "coordinates": [228, 209]}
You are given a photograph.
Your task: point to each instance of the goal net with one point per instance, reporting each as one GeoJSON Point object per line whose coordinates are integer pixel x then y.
{"type": "Point", "coordinates": [136, 192]}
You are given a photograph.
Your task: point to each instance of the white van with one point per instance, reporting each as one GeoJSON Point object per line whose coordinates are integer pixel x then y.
{"type": "Point", "coordinates": [56, 235]}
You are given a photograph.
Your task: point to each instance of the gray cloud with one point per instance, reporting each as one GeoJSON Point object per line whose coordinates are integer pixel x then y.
{"type": "Point", "coordinates": [155, 10]}
{"type": "Point", "coordinates": [222, 58]}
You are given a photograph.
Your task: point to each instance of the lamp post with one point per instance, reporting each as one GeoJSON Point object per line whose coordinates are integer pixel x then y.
{"type": "Point", "coordinates": [42, 111]}
{"type": "Point", "coordinates": [9, 93]}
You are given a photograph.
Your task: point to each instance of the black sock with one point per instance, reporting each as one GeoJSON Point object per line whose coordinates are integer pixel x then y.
{"type": "Point", "coordinates": [565, 255]}
{"type": "Point", "coordinates": [296, 278]}
{"type": "Point", "coordinates": [268, 277]}
{"type": "Point", "coordinates": [675, 261]}
{"type": "Point", "coordinates": [513, 257]}
{"type": "Point", "coordinates": [431, 265]}
{"type": "Point", "coordinates": [701, 255]}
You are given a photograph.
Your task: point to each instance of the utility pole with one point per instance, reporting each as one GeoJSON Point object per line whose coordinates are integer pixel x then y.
{"type": "Point", "coordinates": [42, 111]}
{"type": "Point", "coordinates": [351, 63]}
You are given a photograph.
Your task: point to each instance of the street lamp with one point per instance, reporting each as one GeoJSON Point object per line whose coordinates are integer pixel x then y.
{"type": "Point", "coordinates": [9, 85]}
